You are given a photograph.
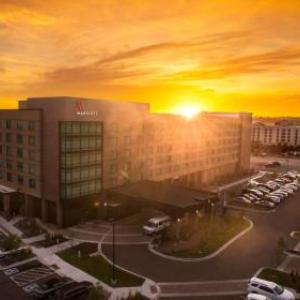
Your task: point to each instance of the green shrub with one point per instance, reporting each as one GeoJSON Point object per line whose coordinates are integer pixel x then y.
{"type": "Point", "coordinates": [10, 243]}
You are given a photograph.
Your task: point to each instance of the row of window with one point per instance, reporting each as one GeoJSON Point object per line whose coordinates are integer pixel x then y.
{"type": "Point", "coordinates": [19, 166]}
{"type": "Point", "coordinates": [80, 128]}
{"type": "Point", "coordinates": [74, 190]}
{"type": "Point", "coordinates": [80, 174]}
{"type": "Point", "coordinates": [18, 152]}
{"type": "Point", "coordinates": [77, 143]}
{"type": "Point", "coordinates": [18, 138]}
{"type": "Point", "coordinates": [19, 179]}
{"type": "Point", "coordinates": [19, 124]}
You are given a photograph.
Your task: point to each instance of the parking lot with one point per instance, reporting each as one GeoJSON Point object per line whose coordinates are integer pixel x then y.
{"type": "Point", "coordinates": [34, 280]}
{"type": "Point", "coordinates": [267, 190]}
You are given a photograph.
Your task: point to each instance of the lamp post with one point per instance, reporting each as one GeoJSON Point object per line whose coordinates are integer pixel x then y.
{"type": "Point", "coordinates": [112, 221]}
{"type": "Point", "coordinates": [178, 230]}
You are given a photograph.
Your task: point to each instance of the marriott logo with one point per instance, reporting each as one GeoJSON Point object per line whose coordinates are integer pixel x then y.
{"type": "Point", "coordinates": [81, 111]}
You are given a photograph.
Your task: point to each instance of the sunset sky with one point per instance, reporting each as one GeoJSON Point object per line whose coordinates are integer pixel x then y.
{"type": "Point", "coordinates": [223, 55]}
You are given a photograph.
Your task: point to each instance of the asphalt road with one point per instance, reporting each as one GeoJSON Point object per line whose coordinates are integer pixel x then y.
{"type": "Point", "coordinates": [241, 260]}
{"type": "Point", "coordinates": [9, 290]}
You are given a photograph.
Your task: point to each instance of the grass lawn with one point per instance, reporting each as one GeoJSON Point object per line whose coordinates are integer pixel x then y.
{"type": "Point", "coordinates": [97, 266]}
{"type": "Point", "coordinates": [29, 227]}
{"type": "Point", "coordinates": [282, 278]}
{"type": "Point", "coordinates": [50, 241]}
{"type": "Point", "coordinates": [204, 238]}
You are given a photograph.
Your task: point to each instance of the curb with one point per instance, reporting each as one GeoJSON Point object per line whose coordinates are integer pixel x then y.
{"type": "Point", "coordinates": [210, 256]}
{"type": "Point", "coordinates": [251, 209]}
{"type": "Point", "coordinates": [128, 271]}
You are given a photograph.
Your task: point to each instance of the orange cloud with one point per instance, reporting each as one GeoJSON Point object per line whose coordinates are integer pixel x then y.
{"type": "Point", "coordinates": [231, 54]}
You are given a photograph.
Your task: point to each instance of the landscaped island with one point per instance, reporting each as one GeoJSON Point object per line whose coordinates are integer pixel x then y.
{"type": "Point", "coordinates": [198, 237]}
{"type": "Point", "coordinates": [97, 266]}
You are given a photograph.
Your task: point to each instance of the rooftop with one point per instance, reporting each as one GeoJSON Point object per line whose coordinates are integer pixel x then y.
{"type": "Point", "coordinates": [165, 193]}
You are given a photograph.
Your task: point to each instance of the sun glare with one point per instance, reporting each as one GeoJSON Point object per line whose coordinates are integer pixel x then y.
{"type": "Point", "coordinates": [188, 111]}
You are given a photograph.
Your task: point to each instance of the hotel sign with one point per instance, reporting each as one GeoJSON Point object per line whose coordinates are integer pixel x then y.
{"type": "Point", "coordinates": [81, 110]}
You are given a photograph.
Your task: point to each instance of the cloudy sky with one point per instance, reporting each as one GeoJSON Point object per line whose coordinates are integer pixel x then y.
{"type": "Point", "coordinates": [225, 55]}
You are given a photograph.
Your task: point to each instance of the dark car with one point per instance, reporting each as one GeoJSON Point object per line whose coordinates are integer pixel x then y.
{"type": "Point", "coordinates": [276, 164]}
{"type": "Point", "coordinates": [74, 291]}
{"type": "Point", "coordinates": [47, 288]}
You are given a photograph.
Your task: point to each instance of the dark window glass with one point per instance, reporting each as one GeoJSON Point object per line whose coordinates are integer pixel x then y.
{"type": "Point", "coordinates": [9, 177]}
{"type": "Point", "coordinates": [8, 151]}
{"type": "Point", "coordinates": [31, 140]}
{"type": "Point", "coordinates": [8, 137]}
{"type": "Point", "coordinates": [20, 153]}
{"type": "Point", "coordinates": [9, 164]}
{"type": "Point", "coordinates": [20, 139]}
{"type": "Point", "coordinates": [32, 183]}
{"type": "Point", "coordinates": [20, 167]}
{"type": "Point", "coordinates": [20, 180]}
{"type": "Point", "coordinates": [31, 125]}
{"type": "Point", "coordinates": [8, 124]}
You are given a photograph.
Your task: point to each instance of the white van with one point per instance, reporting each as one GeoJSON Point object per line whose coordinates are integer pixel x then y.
{"type": "Point", "coordinates": [156, 225]}
{"type": "Point", "coordinates": [270, 289]}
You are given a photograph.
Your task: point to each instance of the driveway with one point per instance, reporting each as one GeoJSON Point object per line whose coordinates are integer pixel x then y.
{"type": "Point", "coordinates": [240, 261]}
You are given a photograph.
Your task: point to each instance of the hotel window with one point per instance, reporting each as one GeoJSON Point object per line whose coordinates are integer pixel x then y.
{"type": "Point", "coordinates": [19, 139]}
{"type": "Point", "coordinates": [20, 125]}
{"type": "Point", "coordinates": [20, 153]}
{"type": "Point", "coordinates": [80, 158]}
{"type": "Point", "coordinates": [9, 177]}
{"type": "Point", "coordinates": [8, 137]}
{"type": "Point", "coordinates": [31, 125]}
{"type": "Point", "coordinates": [8, 124]}
{"type": "Point", "coordinates": [127, 140]}
{"type": "Point", "coordinates": [31, 140]}
{"type": "Point", "coordinates": [20, 180]}
{"type": "Point", "coordinates": [31, 169]}
{"type": "Point", "coordinates": [31, 154]}
{"type": "Point", "coordinates": [32, 183]}
{"type": "Point", "coordinates": [20, 167]}
{"type": "Point", "coordinates": [9, 164]}
{"type": "Point", "coordinates": [8, 151]}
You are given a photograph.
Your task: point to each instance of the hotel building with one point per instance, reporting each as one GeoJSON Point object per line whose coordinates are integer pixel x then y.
{"type": "Point", "coordinates": [62, 153]}
{"type": "Point", "coordinates": [282, 132]}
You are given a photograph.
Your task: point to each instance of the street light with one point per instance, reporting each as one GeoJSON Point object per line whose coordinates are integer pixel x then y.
{"type": "Point", "coordinates": [112, 221]}
{"type": "Point", "coordinates": [178, 229]}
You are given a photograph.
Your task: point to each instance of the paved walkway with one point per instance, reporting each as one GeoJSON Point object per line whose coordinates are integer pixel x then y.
{"type": "Point", "coordinates": [203, 288]}
{"type": "Point", "coordinates": [101, 231]}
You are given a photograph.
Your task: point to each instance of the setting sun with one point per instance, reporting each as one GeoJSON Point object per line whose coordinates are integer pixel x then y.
{"type": "Point", "coordinates": [188, 111]}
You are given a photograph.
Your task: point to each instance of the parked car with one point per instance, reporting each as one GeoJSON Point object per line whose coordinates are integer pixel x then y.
{"type": "Point", "coordinates": [287, 189]}
{"type": "Point", "coordinates": [250, 197]}
{"type": "Point", "coordinates": [74, 291]}
{"type": "Point", "coordinates": [244, 199]}
{"type": "Point", "coordinates": [273, 199]}
{"type": "Point", "coordinates": [47, 288]}
{"type": "Point", "coordinates": [291, 186]}
{"type": "Point", "coordinates": [265, 203]}
{"type": "Point", "coordinates": [253, 296]}
{"type": "Point", "coordinates": [256, 192]}
{"type": "Point", "coordinates": [156, 225]}
{"type": "Point", "coordinates": [253, 195]}
{"type": "Point", "coordinates": [269, 289]}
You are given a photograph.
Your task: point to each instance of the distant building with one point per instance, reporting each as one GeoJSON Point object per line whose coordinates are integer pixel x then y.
{"type": "Point", "coordinates": [62, 153]}
{"type": "Point", "coordinates": [282, 132]}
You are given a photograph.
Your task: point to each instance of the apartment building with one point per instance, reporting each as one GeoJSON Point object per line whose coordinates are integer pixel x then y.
{"type": "Point", "coordinates": [63, 153]}
{"type": "Point", "coordinates": [281, 132]}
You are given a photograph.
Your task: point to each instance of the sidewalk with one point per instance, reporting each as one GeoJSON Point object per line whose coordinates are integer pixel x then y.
{"type": "Point", "coordinates": [203, 288]}
{"type": "Point", "coordinates": [49, 258]}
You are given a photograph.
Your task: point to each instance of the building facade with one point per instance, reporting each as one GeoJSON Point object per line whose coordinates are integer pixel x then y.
{"type": "Point", "coordinates": [63, 153]}
{"type": "Point", "coordinates": [280, 133]}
